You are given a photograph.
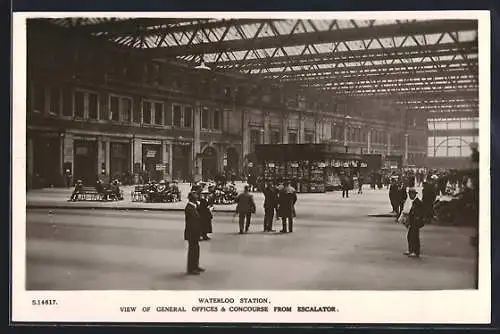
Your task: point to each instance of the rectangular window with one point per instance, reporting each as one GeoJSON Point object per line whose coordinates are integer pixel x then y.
{"type": "Point", "coordinates": [158, 113]}
{"type": "Point", "coordinates": [441, 151]}
{"type": "Point", "coordinates": [205, 118]}
{"type": "Point", "coordinates": [466, 151]}
{"type": "Point", "coordinates": [292, 138]}
{"type": "Point", "coordinates": [309, 138]}
{"type": "Point", "coordinates": [453, 125]}
{"type": "Point", "coordinates": [254, 139]}
{"type": "Point", "coordinates": [217, 119]}
{"type": "Point", "coordinates": [454, 151]}
{"type": "Point", "coordinates": [55, 101]}
{"type": "Point", "coordinates": [168, 114]}
{"type": "Point", "coordinates": [126, 109]}
{"type": "Point", "coordinates": [453, 142]}
{"type": "Point", "coordinates": [188, 115]}
{"type": "Point", "coordinates": [136, 111]}
{"type": "Point", "coordinates": [93, 105]}
{"type": "Point", "coordinates": [67, 109]}
{"type": "Point", "coordinates": [146, 112]}
{"type": "Point", "coordinates": [79, 104]}
{"type": "Point", "coordinates": [114, 108]}
{"type": "Point", "coordinates": [177, 111]}
{"type": "Point", "coordinates": [440, 124]}
{"type": "Point", "coordinates": [275, 137]}
{"type": "Point", "coordinates": [39, 100]}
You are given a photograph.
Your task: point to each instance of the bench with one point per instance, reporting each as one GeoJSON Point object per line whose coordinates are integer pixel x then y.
{"type": "Point", "coordinates": [88, 193]}
{"type": "Point", "coordinates": [137, 194]}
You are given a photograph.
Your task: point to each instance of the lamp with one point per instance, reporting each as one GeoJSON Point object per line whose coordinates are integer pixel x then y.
{"type": "Point", "coordinates": [202, 66]}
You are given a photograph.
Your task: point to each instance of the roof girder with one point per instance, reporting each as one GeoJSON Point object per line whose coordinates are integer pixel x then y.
{"type": "Point", "coordinates": [350, 34]}
{"type": "Point", "coordinates": [129, 26]}
{"type": "Point", "coordinates": [382, 68]}
{"type": "Point", "coordinates": [425, 95]}
{"type": "Point", "coordinates": [357, 55]}
{"type": "Point", "coordinates": [453, 114]}
{"type": "Point", "coordinates": [342, 77]}
{"type": "Point", "coordinates": [173, 28]}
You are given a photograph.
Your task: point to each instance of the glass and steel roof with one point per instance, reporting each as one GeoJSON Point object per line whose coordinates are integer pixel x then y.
{"type": "Point", "coordinates": [428, 65]}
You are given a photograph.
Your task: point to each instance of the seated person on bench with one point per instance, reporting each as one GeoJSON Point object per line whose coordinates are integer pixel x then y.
{"type": "Point", "coordinates": [77, 190]}
{"type": "Point", "coordinates": [101, 190]}
{"type": "Point", "coordinates": [114, 190]}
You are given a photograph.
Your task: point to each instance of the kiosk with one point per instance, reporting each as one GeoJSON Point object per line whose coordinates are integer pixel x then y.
{"type": "Point", "coordinates": [310, 168]}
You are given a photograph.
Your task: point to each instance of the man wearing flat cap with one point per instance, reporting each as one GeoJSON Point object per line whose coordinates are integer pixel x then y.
{"type": "Point", "coordinates": [192, 234]}
{"type": "Point", "coordinates": [414, 222]}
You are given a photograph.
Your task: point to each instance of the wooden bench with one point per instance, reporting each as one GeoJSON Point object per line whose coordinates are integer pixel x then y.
{"type": "Point", "coordinates": [137, 194]}
{"type": "Point", "coordinates": [89, 194]}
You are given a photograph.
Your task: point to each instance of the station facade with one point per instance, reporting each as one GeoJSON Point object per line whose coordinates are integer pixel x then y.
{"type": "Point", "coordinates": [98, 110]}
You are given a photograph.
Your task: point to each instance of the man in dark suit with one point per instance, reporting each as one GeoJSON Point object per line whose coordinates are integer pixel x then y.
{"type": "Point", "coordinates": [270, 204]}
{"type": "Point", "coordinates": [192, 233]}
{"type": "Point", "coordinates": [429, 195]}
{"type": "Point", "coordinates": [394, 196]}
{"type": "Point", "coordinates": [415, 222]}
{"type": "Point", "coordinates": [205, 207]}
{"type": "Point", "coordinates": [245, 207]}
{"type": "Point", "coordinates": [344, 182]}
{"type": "Point", "coordinates": [286, 206]}
{"type": "Point", "coordinates": [402, 196]}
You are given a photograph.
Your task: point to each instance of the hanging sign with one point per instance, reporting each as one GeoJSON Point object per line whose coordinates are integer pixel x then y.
{"type": "Point", "coordinates": [160, 167]}
{"type": "Point", "coordinates": [346, 165]}
{"type": "Point", "coordinates": [151, 154]}
{"type": "Point", "coordinates": [336, 164]}
{"type": "Point", "coordinates": [364, 164]}
{"type": "Point", "coordinates": [270, 165]}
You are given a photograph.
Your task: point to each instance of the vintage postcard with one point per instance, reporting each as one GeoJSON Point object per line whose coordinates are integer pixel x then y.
{"type": "Point", "coordinates": [295, 167]}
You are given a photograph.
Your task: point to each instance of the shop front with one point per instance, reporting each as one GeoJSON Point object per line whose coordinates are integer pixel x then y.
{"type": "Point", "coordinates": [181, 162]}
{"type": "Point", "coordinates": [85, 161]}
{"type": "Point", "coordinates": [45, 157]}
{"type": "Point", "coordinates": [231, 163]}
{"type": "Point", "coordinates": [120, 162]}
{"type": "Point", "coordinates": [209, 164]}
{"type": "Point", "coordinates": [152, 162]}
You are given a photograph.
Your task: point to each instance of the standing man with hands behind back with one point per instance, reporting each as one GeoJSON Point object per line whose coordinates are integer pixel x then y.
{"type": "Point", "coordinates": [192, 234]}
{"type": "Point", "coordinates": [245, 207]}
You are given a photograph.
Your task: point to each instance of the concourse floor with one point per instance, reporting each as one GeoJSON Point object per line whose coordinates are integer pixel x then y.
{"type": "Point", "coordinates": [336, 245]}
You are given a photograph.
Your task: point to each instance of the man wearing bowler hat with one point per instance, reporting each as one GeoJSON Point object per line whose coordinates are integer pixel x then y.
{"type": "Point", "coordinates": [192, 234]}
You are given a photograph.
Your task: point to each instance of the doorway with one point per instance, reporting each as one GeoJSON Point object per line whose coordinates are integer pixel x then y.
{"type": "Point", "coordinates": [232, 162]}
{"type": "Point", "coordinates": [181, 168]}
{"type": "Point", "coordinates": [152, 162]}
{"type": "Point", "coordinates": [46, 159]}
{"type": "Point", "coordinates": [209, 164]}
{"type": "Point", "coordinates": [85, 161]}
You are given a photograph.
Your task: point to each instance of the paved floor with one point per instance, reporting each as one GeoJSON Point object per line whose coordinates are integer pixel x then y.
{"type": "Point", "coordinates": [335, 245]}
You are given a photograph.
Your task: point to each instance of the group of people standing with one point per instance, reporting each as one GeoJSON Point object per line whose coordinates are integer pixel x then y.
{"type": "Point", "coordinates": [198, 216]}
{"type": "Point", "coordinates": [279, 200]}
